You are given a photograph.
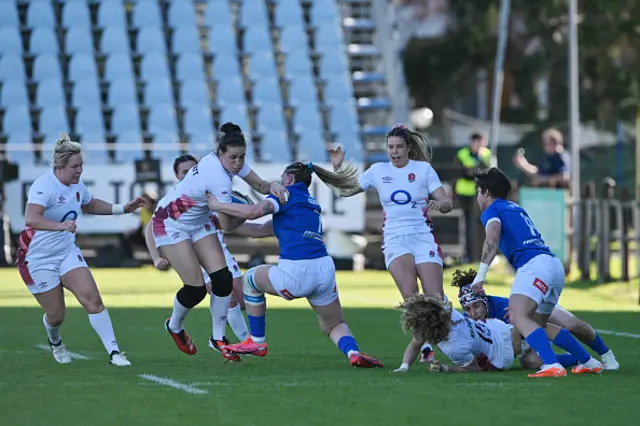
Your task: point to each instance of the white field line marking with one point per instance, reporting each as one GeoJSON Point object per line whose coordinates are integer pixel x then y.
{"type": "Point", "coordinates": [73, 355]}
{"type": "Point", "coordinates": [617, 333]}
{"type": "Point", "coordinates": [171, 383]}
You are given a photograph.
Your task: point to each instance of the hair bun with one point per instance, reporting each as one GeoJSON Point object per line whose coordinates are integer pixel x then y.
{"type": "Point", "coordinates": [229, 127]}
{"type": "Point", "coordinates": [63, 138]}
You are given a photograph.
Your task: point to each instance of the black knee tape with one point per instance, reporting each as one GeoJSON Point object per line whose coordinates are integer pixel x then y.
{"type": "Point", "coordinates": [189, 296]}
{"type": "Point", "coordinates": [221, 282]}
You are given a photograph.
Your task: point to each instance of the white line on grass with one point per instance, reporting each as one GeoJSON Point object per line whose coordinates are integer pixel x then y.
{"type": "Point", "coordinates": [618, 333]}
{"type": "Point", "coordinates": [171, 383]}
{"type": "Point", "coordinates": [73, 355]}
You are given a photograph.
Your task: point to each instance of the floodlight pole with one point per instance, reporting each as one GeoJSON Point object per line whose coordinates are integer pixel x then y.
{"type": "Point", "coordinates": [498, 77]}
{"type": "Point", "coordinates": [574, 120]}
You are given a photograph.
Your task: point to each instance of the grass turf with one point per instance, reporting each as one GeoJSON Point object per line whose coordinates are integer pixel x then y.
{"type": "Point", "coordinates": [304, 379]}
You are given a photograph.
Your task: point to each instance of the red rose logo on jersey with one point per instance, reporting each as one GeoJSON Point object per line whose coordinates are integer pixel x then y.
{"type": "Point", "coordinates": [207, 227]}
{"type": "Point", "coordinates": [412, 177]}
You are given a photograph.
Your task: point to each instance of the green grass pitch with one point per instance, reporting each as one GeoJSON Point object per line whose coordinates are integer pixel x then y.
{"type": "Point", "coordinates": [304, 380]}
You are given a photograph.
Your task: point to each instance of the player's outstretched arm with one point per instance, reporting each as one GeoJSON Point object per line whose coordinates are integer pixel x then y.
{"type": "Point", "coordinates": [255, 230]}
{"type": "Point", "coordinates": [228, 211]}
{"type": "Point", "coordinates": [489, 250]}
{"type": "Point", "coordinates": [410, 355]}
{"type": "Point", "coordinates": [100, 207]}
{"type": "Point", "coordinates": [265, 188]}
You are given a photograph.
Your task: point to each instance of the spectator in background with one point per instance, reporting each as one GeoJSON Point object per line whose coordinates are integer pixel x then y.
{"type": "Point", "coordinates": [475, 155]}
{"type": "Point", "coordinates": [554, 168]}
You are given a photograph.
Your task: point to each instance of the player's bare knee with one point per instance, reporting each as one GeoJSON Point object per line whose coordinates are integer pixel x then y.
{"type": "Point", "coordinates": [56, 317]}
{"type": "Point", "coordinates": [252, 294]}
{"type": "Point", "coordinates": [93, 303]}
{"type": "Point", "coordinates": [189, 296]}
{"type": "Point", "coordinates": [221, 282]}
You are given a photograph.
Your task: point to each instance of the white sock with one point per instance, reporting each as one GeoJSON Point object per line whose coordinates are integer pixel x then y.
{"type": "Point", "coordinates": [52, 332]}
{"type": "Point", "coordinates": [176, 322]}
{"type": "Point", "coordinates": [237, 322]}
{"type": "Point", "coordinates": [101, 323]}
{"type": "Point", "coordinates": [219, 308]}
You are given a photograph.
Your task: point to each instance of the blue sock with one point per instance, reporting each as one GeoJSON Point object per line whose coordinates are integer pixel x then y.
{"type": "Point", "coordinates": [567, 360]}
{"type": "Point", "coordinates": [347, 344]}
{"type": "Point", "coordinates": [598, 345]}
{"type": "Point", "coordinates": [566, 341]}
{"type": "Point", "coordinates": [540, 343]}
{"type": "Point", "coordinates": [257, 327]}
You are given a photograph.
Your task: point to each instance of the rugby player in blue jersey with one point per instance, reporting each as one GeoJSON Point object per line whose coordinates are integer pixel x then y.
{"type": "Point", "coordinates": [539, 274]}
{"type": "Point", "coordinates": [305, 269]}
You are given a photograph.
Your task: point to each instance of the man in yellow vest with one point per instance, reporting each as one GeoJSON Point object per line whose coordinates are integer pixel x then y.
{"type": "Point", "coordinates": [476, 155]}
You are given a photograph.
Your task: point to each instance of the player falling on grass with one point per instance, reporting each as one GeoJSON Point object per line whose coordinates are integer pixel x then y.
{"type": "Point", "coordinates": [235, 319]}
{"type": "Point", "coordinates": [479, 306]}
{"type": "Point", "coordinates": [304, 269]}
{"type": "Point", "coordinates": [404, 184]}
{"type": "Point", "coordinates": [182, 231]}
{"type": "Point", "coordinates": [48, 258]}
{"type": "Point", "coordinates": [539, 274]}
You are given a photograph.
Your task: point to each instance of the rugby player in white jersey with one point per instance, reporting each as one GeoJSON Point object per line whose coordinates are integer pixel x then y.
{"type": "Point", "coordinates": [183, 233]}
{"type": "Point", "coordinates": [404, 184]}
{"type": "Point", "coordinates": [48, 258]}
{"type": "Point", "coordinates": [235, 319]}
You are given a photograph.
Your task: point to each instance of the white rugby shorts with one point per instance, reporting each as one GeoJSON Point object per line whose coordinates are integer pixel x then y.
{"type": "Point", "coordinates": [540, 279]}
{"type": "Point", "coordinates": [314, 279]}
{"type": "Point", "coordinates": [41, 277]}
{"type": "Point", "coordinates": [422, 246]}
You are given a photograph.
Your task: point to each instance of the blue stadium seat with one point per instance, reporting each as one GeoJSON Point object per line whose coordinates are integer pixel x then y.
{"type": "Point", "coordinates": [78, 40]}
{"type": "Point", "coordinates": [266, 91]}
{"type": "Point", "coordinates": [14, 95]}
{"type": "Point", "coordinates": [302, 91]}
{"type": "Point", "coordinates": [194, 94]}
{"type": "Point", "coordinates": [324, 13]}
{"type": "Point", "coordinates": [329, 39]}
{"type": "Point", "coordinates": [168, 147]}
{"type": "Point", "coordinates": [76, 14]}
{"type": "Point", "coordinates": [9, 16]}
{"type": "Point", "coordinates": [40, 15]}
{"type": "Point", "coordinates": [294, 39]}
{"type": "Point", "coordinates": [225, 67]}
{"type": "Point", "coordinates": [198, 120]}
{"type": "Point", "coordinates": [95, 137]}
{"type": "Point", "coordinates": [162, 118]}
{"type": "Point", "coordinates": [222, 40]}
{"type": "Point", "coordinates": [270, 118]}
{"type": "Point", "coordinates": [12, 68]}
{"type": "Point", "coordinates": [154, 65]}
{"type": "Point", "coordinates": [190, 67]}
{"type": "Point", "coordinates": [151, 40]}
{"type": "Point", "coordinates": [332, 65]}
{"type": "Point", "coordinates": [53, 121]}
{"type": "Point", "coordinates": [111, 14]}
{"type": "Point", "coordinates": [114, 40]}
{"type": "Point", "coordinates": [236, 113]}
{"type": "Point", "coordinates": [158, 91]}
{"type": "Point", "coordinates": [10, 41]}
{"type": "Point", "coordinates": [217, 12]}
{"type": "Point", "coordinates": [289, 14]}
{"type": "Point", "coordinates": [82, 67]}
{"type": "Point", "coordinates": [16, 122]}
{"type": "Point", "coordinates": [85, 93]}
{"type": "Point", "coordinates": [257, 39]}
{"type": "Point", "coordinates": [122, 92]}
{"type": "Point", "coordinates": [181, 14]}
{"type": "Point", "coordinates": [338, 89]}
{"type": "Point", "coordinates": [230, 90]}
{"type": "Point", "coordinates": [118, 66]}
{"type": "Point", "coordinates": [307, 117]}
{"type": "Point", "coordinates": [274, 147]}
{"type": "Point", "coordinates": [297, 66]}
{"type": "Point", "coordinates": [125, 118]}
{"type": "Point", "coordinates": [311, 146]}
{"type": "Point", "coordinates": [129, 146]}
{"type": "Point", "coordinates": [43, 40]}
{"type": "Point", "coordinates": [186, 40]}
{"type": "Point", "coordinates": [146, 13]}
{"type": "Point", "coordinates": [21, 141]}
{"type": "Point", "coordinates": [50, 93]}
{"type": "Point", "coordinates": [253, 13]}
{"type": "Point", "coordinates": [46, 66]}
{"type": "Point", "coordinates": [89, 119]}
{"type": "Point", "coordinates": [262, 65]}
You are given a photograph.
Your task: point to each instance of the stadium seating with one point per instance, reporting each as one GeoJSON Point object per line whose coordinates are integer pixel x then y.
{"type": "Point", "coordinates": [149, 74]}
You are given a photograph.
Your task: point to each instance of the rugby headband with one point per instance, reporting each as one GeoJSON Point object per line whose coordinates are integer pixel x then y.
{"type": "Point", "coordinates": [466, 296]}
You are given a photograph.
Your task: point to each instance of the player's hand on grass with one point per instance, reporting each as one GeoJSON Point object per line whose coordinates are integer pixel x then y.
{"type": "Point", "coordinates": [161, 264]}
{"type": "Point", "coordinates": [401, 369]}
{"type": "Point", "coordinates": [436, 367]}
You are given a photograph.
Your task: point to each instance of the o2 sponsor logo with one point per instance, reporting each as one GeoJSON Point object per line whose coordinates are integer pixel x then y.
{"type": "Point", "coordinates": [71, 215]}
{"type": "Point", "coordinates": [402, 197]}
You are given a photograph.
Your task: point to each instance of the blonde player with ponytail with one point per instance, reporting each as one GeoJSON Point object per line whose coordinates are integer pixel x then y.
{"type": "Point", "coordinates": [48, 258]}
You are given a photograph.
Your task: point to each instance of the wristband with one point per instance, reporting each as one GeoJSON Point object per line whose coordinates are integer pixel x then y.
{"type": "Point", "coordinates": [117, 209]}
{"type": "Point", "coordinates": [482, 273]}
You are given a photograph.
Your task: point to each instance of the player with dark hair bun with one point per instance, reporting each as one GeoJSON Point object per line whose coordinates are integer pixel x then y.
{"type": "Point", "coordinates": [183, 233]}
